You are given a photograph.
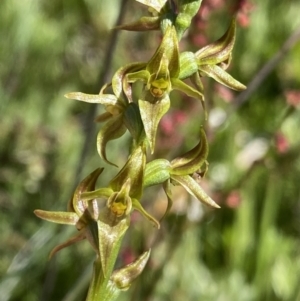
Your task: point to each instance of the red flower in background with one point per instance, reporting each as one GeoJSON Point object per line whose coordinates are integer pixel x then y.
{"type": "Point", "coordinates": [281, 143]}
{"type": "Point", "coordinates": [293, 97]}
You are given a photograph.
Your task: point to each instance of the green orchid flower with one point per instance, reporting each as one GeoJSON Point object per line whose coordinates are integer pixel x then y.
{"type": "Point", "coordinates": [125, 189]}
{"type": "Point", "coordinates": [120, 114]}
{"type": "Point", "coordinates": [181, 171]}
{"type": "Point", "coordinates": [114, 127]}
{"type": "Point", "coordinates": [211, 60]}
{"type": "Point", "coordinates": [104, 228]}
{"type": "Point", "coordinates": [160, 76]}
{"type": "Point", "coordinates": [84, 214]}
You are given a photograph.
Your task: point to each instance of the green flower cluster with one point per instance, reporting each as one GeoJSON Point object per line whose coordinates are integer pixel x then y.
{"type": "Point", "coordinates": [105, 226]}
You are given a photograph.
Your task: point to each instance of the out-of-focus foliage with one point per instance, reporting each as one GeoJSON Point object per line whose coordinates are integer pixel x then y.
{"type": "Point", "coordinates": [249, 250]}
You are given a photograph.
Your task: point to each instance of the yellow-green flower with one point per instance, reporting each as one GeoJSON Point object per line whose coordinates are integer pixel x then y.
{"type": "Point", "coordinates": [211, 60]}
{"type": "Point", "coordinates": [181, 171]}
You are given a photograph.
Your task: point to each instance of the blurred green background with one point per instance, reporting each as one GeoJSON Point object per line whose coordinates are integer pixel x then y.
{"type": "Point", "coordinates": [247, 251]}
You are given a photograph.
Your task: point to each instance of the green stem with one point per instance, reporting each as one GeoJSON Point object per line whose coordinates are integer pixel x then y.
{"type": "Point", "coordinates": [101, 288]}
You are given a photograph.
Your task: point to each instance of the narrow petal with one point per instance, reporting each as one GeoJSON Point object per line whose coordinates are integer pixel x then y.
{"type": "Point", "coordinates": [196, 81]}
{"type": "Point", "coordinates": [142, 75]}
{"type": "Point", "coordinates": [143, 24]}
{"type": "Point", "coordinates": [119, 77]}
{"type": "Point", "coordinates": [66, 218]}
{"type": "Point", "coordinates": [125, 276]}
{"type": "Point", "coordinates": [103, 117]}
{"type": "Point", "coordinates": [195, 189]}
{"type": "Point", "coordinates": [104, 99]}
{"type": "Point", "coordinates": [113, 129]}
{"type": "Point", "coordinates": [221, 76]}
{"type": "Point", "coordinates": [220, 50]}
{"type": "Point", "coordinates": [167, 189]}
{"type": "Point", "coordinates": [97, 194]}
{"type": "Point", "coordinates": [78, 237]}
{"type": "Point", "coordinates": [189, 91]}
{"type": "Point", "coordinates": [138, 206]}
{"type": "Point", "coordinates": [191, 161]}
{"type": "Point", "coordinates": [87, 184]}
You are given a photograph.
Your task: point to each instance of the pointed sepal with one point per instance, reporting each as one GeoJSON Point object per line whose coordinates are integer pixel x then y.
{"type": "Point", "coordinates": [124, 277]}
{"type": "Point", "coordinates": [138, 206]}
{"type": "Point", "coordinates": [113, 129]}
{"type": "Point", "coordinates": [152, 110]}
{"type": "Point", "coordinates": [219, 51]}
{"type": "Point", "coordinates": [221, 76]}
{"type": "Point", "coordinates": [66, 218]}
{"type": "Point", "coordinates": [78, 237]}
{"type": "Point", "coordinates": [194, 189]}
{"type": "Point", "coordinates": [191, 161]}
{"type": "Point", "coordinates": [133, 170]}
{"type": "Point", "coordinates": [143, 24]}
{"type": "Point", "coordinates": [104, 99]}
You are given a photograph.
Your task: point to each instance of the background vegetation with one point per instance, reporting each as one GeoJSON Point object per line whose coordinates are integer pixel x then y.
{"type": "Point", "coordinates": [247, 251]}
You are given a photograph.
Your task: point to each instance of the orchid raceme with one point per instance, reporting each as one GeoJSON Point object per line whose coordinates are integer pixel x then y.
{"type": "Point", "coordinates": [102, 215]}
